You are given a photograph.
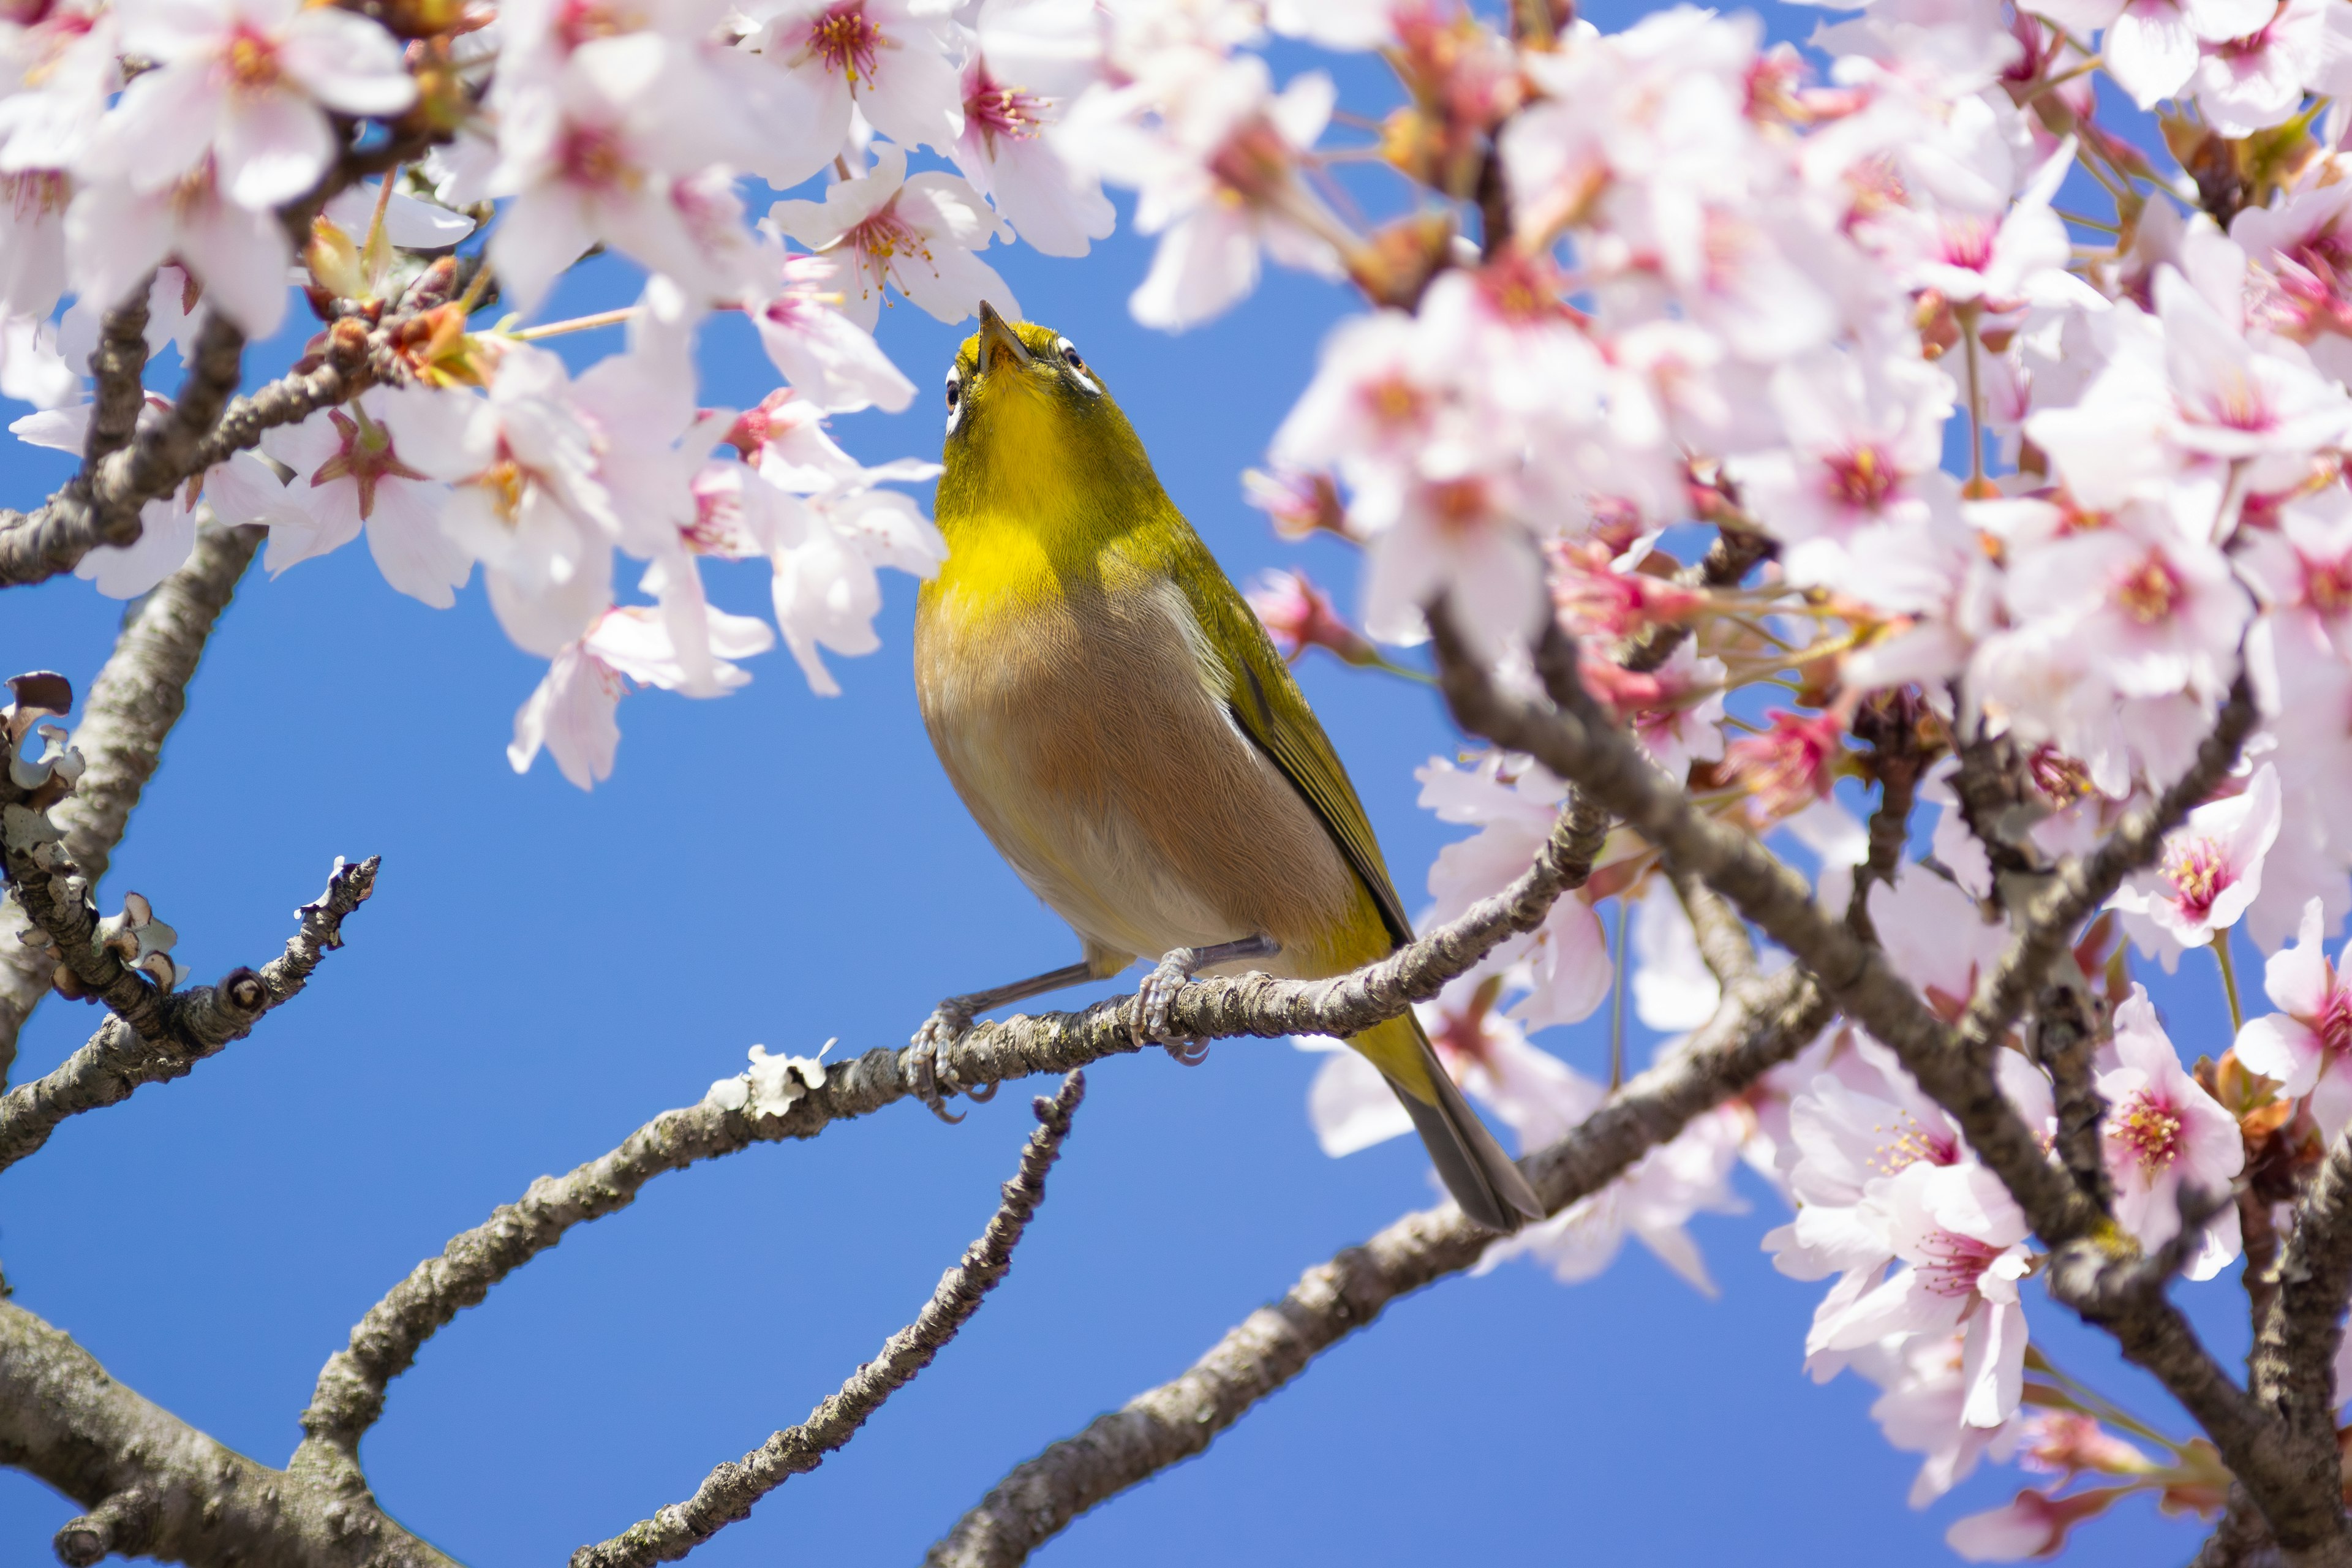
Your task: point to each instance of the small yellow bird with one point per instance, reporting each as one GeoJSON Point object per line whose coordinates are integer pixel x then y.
{"type": "Point", "coordinates": [1117, 721]}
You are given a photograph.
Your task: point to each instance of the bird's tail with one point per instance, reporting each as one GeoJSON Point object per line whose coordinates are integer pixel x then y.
{"type": "Point", "coordinates": [1482, 1178]}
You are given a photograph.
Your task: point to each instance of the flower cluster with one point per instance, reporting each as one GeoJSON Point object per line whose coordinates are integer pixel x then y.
{"type": "Point", "coordinates": [2021, 498]}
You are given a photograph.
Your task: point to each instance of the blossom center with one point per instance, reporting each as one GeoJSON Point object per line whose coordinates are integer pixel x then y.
{"type": "Point", "coordinates": [2328, 584]}
{"type": "Point", "coordinates": [366, 458]}
{"type": "Point", "coordinates": [2237, 403]}
{"type": "Point", "coordinates": [252, 62]}
{"type": "Point", "coordinates": [881, 239]}
{"type": "Point", "coordinates": [1904, 1143]}
{"type": "Point", "coordinates": [2151, 1130]}
{"type": "Point", "coordinates": [592, 156]}
{"type": "Point", "coordinates": [1862, 479]}
{"type": "Point", "coordinates": [2058, 775]}
{"type": "Point", "coordinates": [503, 481]}
{"type": "Point", "coordinates": [1459, 505]}
{"type": "Point", "coordinates": [1951, 1264]}
{"type": "Point", "coordinates": [848, 42]}
{"type": "Point", "coordinates": [1393, 400]}
{"type": "Point", "coordinates": [2334, 1025]}
{"type": "Point", "coordinates": [1253, 165]}
{"type": "Point", "coordinates": [994, 110]}
{"type": "Point", "coordinates": [2150, 591]}
{"type": "Point", "coordinates": [2198, 873]}
{"type": "Point", "coordinates": [1968, 242]}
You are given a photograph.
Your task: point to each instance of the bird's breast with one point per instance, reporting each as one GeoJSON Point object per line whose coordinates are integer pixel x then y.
{"type": "Point", "coordinates": [1084, 729]}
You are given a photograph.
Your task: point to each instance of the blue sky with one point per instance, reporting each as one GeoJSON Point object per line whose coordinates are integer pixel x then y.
{"type": "Point", "coordinates": [542, 970]}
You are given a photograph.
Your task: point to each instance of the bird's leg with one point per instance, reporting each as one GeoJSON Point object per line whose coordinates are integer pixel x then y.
{"type": "Point", "coordinates": [1157, 994]}
{"type": "Point", "coordinates": [952, 1017]}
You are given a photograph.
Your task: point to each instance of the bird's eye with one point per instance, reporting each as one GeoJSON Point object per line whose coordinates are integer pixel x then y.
{"type": "Point", "coordinates": [1078, 367]}
{"type": "Point", "coordinates": [955, 401]}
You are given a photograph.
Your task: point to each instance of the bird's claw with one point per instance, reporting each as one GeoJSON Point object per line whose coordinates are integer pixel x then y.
{"type": "Point", "coordinates": [946, 1023]}
{"type": "Point", "coordinates": [1189, 1053]}
{"type": "Point", "coordinates": [1156, 998]}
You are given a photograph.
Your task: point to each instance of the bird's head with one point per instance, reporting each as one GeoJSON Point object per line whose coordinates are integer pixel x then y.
{"type": "Point", "coordinates": [1032, 428]}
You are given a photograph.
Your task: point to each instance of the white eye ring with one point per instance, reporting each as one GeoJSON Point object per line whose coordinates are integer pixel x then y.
{"type": "Point", "coordinates": [955, 400]}
{"type": "Point", "coordinates": [1074, 365]}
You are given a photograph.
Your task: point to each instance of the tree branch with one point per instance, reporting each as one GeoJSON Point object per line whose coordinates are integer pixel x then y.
{"type": "Point", "coordinates": [117, 369]}
{"type": "Point", "coordinates": [156, 1486]}
{"type": "Point", "coordinates": [2094, 1268]}
{"type": "Point", "coordinates": [118, 1060]}
{"type": "Point", "coordinates": [2294, 1355]}
{"type": "Point", "coordinates": [138, 697]}
{"type": "Point", "coordinates": [350, 1389]}
{"type": "Point", "coordinates": [732, 1490]}
{"type": "Point", "coordinates": [100, 506]}
{"type": "Point", "coordinates": [1730, 557]}
{"type": "Point", "coordinates": [1759, 1025]}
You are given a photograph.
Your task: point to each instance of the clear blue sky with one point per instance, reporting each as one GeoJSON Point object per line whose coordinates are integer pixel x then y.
{"type": "Point", "coordinates": [542, 970]}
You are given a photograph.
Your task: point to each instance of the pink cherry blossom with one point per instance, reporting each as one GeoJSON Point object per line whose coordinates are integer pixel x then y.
{"type": "Point", "coordinates": [830, 360]}
{"type": "Point", "coordinates": [244, 85]}
{"type": "Point", "coordinates": [1217, 176]}
{"type": "Point", "coordinates": [2209, 870]}
{"type": "Point", "coordinates": [612, 150]}
{"type": "Point", "coordinates": [1512, 802]}
{"type": "Point", "coordinates": [886, 59]}
{"type": "Point", "coordinates": [349, 476]}
{"type": "Point", "coordinates": [917, 234]}
{"type": "Point", "coordinates": [2164, 1132]}
{"type": "Point", "coordinates": [2305, 1043]}
{"type": "Point", "coordinates": [2151, 45]}
{"type": "Point", "coordinates": [1926, 1385]}
{"type": "Point", "coordinates": [1960, 1237]}
{"type": "Point", "coordinates": [1029, 60]}
{"type": "Point", "coordinates": [116, 233]}
{"type": "Point", "coordinates": [2253, 82]}
{"type": "Point", "coordinates": [572, 713]}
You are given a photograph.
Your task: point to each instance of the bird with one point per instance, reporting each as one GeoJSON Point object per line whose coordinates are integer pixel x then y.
{"type": "Point", "coordinates": [1120, 726]}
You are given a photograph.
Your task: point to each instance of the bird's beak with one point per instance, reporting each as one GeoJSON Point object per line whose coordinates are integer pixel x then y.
{"type": "Point", "coordinates": [998, 340]}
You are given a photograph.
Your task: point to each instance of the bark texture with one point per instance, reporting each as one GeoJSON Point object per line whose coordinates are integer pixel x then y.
{"type": "Point", "coordinates": [138, 695]}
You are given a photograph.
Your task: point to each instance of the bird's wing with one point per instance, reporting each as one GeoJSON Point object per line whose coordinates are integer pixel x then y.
{"type": "Point", "coordinates": [1272, 712]}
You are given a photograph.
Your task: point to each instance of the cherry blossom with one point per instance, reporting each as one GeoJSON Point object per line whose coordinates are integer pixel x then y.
{"type": "Point", "coordinates": [245, 87]}
{"type": "Point", "coordinates": [2304, 1044]}
{"type": "Point", "coordinates": [349, 476]}
{"type": "Point", "coordinates": [828, 358]}
{"type": "Point", "coordinates": [885, 59]}
{"type": "Point", "coordinates": [573, 714]}
{"type": "Point", "coordinates": [1217, 178]}
{"type": "Point", "coordinates": [116, 233]}
{"type": "Point", "coordinates": [2151, 45]}
{"type": "Point", "coordinates": [917, 234]}
{"type": "Point", "coordinates": [1512, 802]}
{"type": "Point", "coordinates": [2209, 872]}
{"type": "Point", "coordinates": [1960, 1237]}
{"type": "Point", "coordinates": [1030, 59]}
{"type": "Point", "coordinates": [2165, 1133]}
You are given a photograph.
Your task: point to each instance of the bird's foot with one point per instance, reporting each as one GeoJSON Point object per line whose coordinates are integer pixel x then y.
{"type": "Point", "coordinates": [948, 1021]}
{"type": "Point", "coordinates": [1155, 999]}
{"type": "Point", "coordinates": [1157, 995]}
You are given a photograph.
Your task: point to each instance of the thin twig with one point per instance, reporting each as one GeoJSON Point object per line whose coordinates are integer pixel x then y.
{"type": "Point", "coordinates": [730, 1490]}
{"type": "Point", "coordinates": [1759, 1027]}
{"type": "Point", "coordinates": [118, 1060]}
